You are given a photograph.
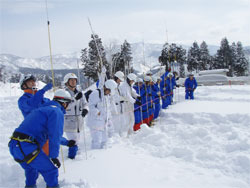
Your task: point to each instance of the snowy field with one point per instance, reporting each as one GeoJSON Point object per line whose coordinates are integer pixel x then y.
{"type": "Point", "coordinates": [204, 143]}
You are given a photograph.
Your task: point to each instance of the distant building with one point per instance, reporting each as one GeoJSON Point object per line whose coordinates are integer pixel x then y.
{"type": "Point", "coordinates": [215, 71]}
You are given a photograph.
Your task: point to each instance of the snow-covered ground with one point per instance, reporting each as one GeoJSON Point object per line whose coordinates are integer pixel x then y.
{"type": "Point", "coordinates": [202, 143]}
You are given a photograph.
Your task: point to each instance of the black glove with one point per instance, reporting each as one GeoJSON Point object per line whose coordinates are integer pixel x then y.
{"type": "Point", "coordinates": [138, 103]}
{"type": "Point", "coordinates": [71, 143]}
{"type": "Point", "coordinates": [121, 102]}
{"type": "Point", "coordinates": [78, 96]}
{"type": "Point", "coordinates": [56, 162]}
{"type": "Point", "coordinates": [177, 85]}
{"type": "Point", "coordinates": [138, 98]}
{"type": "Point", "coordinates": [84, 112]}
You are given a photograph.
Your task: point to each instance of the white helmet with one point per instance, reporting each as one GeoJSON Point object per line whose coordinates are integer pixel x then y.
{"type": "Point", "coordinates": [149, 73]}
{"type": "Point", "coordinates": [110, 84]}
{"type": "Point", "coordinates": [170, 74]}
{"type": "Point", "coordinates": [131, 77]}
{"type": "Point", "coordinates": [62, 95]}
{"type": "Point", "coordinates": [139, 80]}
{"type": "Point", "coordinates": [25, 78]}
{"type": "Point", "coordinates": [155, 79]}
{"type": "Point", "coordinates": [69, 76]}
{"type": "Point", "coordinates": [120, 75]}
{"type": "Point", "coordinates": [147, 79]}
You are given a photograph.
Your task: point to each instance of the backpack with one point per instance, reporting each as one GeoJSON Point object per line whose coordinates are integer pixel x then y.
{"type": "Point", "coordinates": [87, 93]}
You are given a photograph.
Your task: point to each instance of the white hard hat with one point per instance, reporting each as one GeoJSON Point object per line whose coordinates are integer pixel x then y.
{"type": "Point", "coordinates": [170, 74]}
{"type": "Point", "coordinates": [131, 77]}
{"type": "Point", "coordinates": [25, 78]}
{"type": "Point", "coordinates": [139, 80]}
{"type": "Point", "coordinates": [69, 76]}
{"type": "Point", "coordinates": [147, 79]}
{"type": "Point", "coordinates": [149, 73]}
{"type": "Point", "coordinates": [120, 75]}
{"type": "Point", "coordinates": [110, 84]}
{"type": "Point", "coordinates": [155, 79]}
{"type": "Point", "coordinates": [62, 95]}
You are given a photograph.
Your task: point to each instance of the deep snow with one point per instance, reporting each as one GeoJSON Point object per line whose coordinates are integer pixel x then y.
{"type": "Point", "coordinates": [200, 143]}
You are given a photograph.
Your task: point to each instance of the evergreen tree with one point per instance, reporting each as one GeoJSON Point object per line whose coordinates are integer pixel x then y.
{"type": "Point", "coordinates": [172, 53]}
{"type": "Point", "coordinates": [91, 58]}
{"type": "Point", "coordinates": [194, 58]}
{"type": "Point", "coordinates": [122, 61]}
{"type": "Point", "coordinates": [224, 57]}
{"type": "Point", "coordinates": [205, 58]}
{"type": "Point", "coordinates": [234, 57]}
{"type": "Point", "coordinates": [241, 65]}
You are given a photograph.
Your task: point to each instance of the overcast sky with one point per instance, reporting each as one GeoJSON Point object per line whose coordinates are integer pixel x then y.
{"type": "Point", "coordinates": [24, 23]}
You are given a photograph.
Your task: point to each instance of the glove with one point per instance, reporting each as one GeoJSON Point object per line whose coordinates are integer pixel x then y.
{"type": "Point", "coordinates": [177, 85]}
{"type": "Point", "coordinates": [71, 143]}
{"type": "Point", "coordinates": [56, 162]}
{"type": "Point", "coordinates": [138, 98]}
{"type": "Point", "coordinates": [138, 103]}
{"type": "Point", "coordinates": [47, 87]}
{"type": "Point", "coordinates": [78, 96]}
{"type": "Point", "coordinates": [121, 101]}
{"type": "Point", "coordinates": [84, 112]}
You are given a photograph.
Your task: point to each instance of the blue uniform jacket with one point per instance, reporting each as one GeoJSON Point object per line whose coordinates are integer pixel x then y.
{"type": "Point", "coordinates": [156, 89]}
{"type": "Point", "coordinates": [140, 91]}
{"type": "Point", "coordinates": [45, 122]}
{"type": "Point", "coordinates": [28, 102]}
{"type": "Point", "coordinates": [190, 84]}
{"type": "Point", "coordinates": [171, 84]}
{"type": "Point", "coordinates": [165, 88]}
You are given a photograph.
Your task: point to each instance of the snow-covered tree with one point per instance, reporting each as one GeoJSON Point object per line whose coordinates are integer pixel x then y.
{"type": "Point", "coordinates": [111, 48]}
{"type": "Point", "coordinates": [194, 57]}
{"type": "Point", "coordinates": [172, 53]}
{"type": "Point", "coordinates": [205, 57]}
{"type": "Point", "coordinates": [224, 58]}
{"type": "Point", "coordinates": [122, 61]}
{"type": "Point", "coordinates": [241, 64]}
{"type": "Point", "coordinates": [92, 58]}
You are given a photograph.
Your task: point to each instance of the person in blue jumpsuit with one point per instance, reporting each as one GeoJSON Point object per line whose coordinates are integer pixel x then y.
{"type": "Point", "coordinates": [31, 99]}
{"type": "Point", "coordinates": [147, 101]}
{"type": "Point", "coordinates": [172, 84]}
{"type": "Point", "coordinates": [156, 96]}
{"type": "Point", "coordinates": [165, 91]}
{"type": "Point", "coordinates": [45, 122]}
{"type": "Point", "coordinates": [190, 86]}
{"type": "Point", "coordinates": [137, 106]}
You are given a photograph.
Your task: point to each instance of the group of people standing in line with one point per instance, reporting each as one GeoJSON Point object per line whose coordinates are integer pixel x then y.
{"type": "Point", "coordinates": [116, 106]}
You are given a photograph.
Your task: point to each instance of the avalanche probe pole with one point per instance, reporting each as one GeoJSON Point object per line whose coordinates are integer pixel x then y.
{"type": "Point", "coordinates": [98, 51]}
{"type": "Point", "coordinates": [52, 71]}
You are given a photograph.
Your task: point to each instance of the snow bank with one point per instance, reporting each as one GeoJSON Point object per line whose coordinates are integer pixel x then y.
{"type": "Point", "coordinates": [199, 143]}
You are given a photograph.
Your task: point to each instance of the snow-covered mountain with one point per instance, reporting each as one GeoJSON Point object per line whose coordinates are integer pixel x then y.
{"type": "Point", "coordinates": [148, 56]}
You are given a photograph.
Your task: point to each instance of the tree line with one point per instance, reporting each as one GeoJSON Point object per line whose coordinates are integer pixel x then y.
{"type": "Point", "coordinates": [196, 58]}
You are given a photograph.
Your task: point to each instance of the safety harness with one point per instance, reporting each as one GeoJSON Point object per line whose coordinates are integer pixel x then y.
{"type": "Point", "coordinates": [21, 137]}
